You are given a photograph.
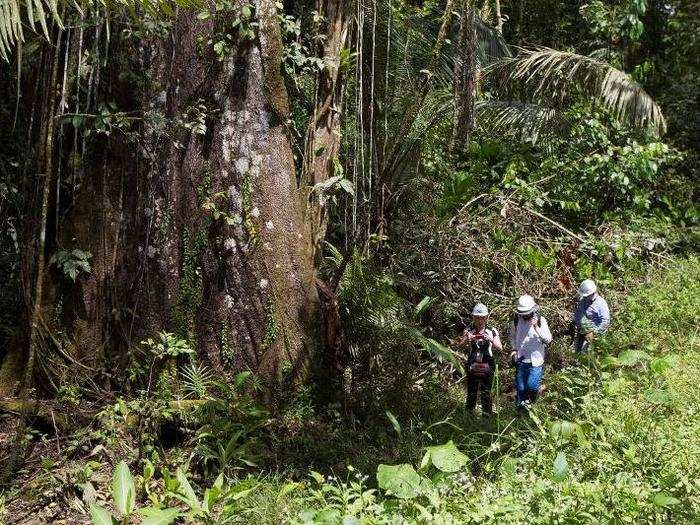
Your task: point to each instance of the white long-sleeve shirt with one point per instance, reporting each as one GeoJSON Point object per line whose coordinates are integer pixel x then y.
{"type": "Point", "coordinates": [527, 344]}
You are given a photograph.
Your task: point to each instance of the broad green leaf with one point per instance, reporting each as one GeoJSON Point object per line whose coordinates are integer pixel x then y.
{"type": "Point", "coordinates": [562, 429]}
{"type": "Point", "coordinates": [560, 468]}
{"type": "Point", "coordinates": [610, 361]}
{"type": "Point", "coordinates": [447, 457]}
{"type": "Point", "coordinates": [394, 422]}
{"type": "Point", "coordinates": [401, 481]}
{"type": "Point", "coordinates": [317, 477]}
{"type": "Point", "coordinates": [100, 516]}
{"type": "Point", "coordinates": [664, 500]}
{"type": "Point", "coordinates": [148, 470]}
{"type": "Point", "coordinates": [347, 186]}
{"type": "Point", "coordinates": [658, 397]}
{"type": "Point", "coordinates": [186, 489]}
{"type": "Point", "coordinates": [123, 489]}
{"type": "Point", "coordinates": [661, 364]}
{"type": "Point", "coordinates": [154, 516]}
{"type": "Point", "coordinates": [632, 357]}
{"type": "Point", "coordinates": [241, 494]}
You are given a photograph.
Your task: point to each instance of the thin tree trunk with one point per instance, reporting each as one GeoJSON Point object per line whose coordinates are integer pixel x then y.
{"type": "Point", "coordinates": [47, 161]}
{"type": "Point", "coordinates": [464, 80]}
{"type": "Point", "coordinates": [323, 133]}
{"type": "Point", "coordinates": [499, 18]}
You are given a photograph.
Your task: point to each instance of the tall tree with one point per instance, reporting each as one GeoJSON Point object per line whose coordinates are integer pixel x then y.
{"type": "Point", "coordinates": [200, 230]}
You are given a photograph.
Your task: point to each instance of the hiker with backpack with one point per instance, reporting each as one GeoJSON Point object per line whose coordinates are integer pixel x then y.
{"type": "Point", "coordinates": [529, 335]}
{"type": "Point", "coordinates": [482, 341]}
{"type": "Point", "coordinates": [591, 316]}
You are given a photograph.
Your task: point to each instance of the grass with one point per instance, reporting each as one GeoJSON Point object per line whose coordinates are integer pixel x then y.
{"type": "Point", "coordinates": [616, 439]}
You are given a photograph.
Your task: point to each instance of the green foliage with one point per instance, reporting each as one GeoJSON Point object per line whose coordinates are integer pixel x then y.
{"type": "Point", "coordinates": [445, 458]}
{"type": "Point", "coordinates": [401, 481]}
{"type": "Point", "coordinates": [124, 499]}
{"type": "Point", "coordinates": [235, 24]}
{"type": "Point", "coordinates": [227, 438]}
{"type": "Point", "coordinates": [190, 290]}
{"type": "Point", "coordinates": [328, 189]}
{"type": "Point", "coordinates": [383, 332]}
{"type": "Point", "coordinates": [167, 345]}
{"type": "Point", "coordinates": [72, 262]}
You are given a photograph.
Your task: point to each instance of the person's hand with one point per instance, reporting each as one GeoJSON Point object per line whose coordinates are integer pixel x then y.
{"type": "Point", "coordinates": [512, 355]}
{"type": "Point", "coordinates": [533, 321]}
{"type": "Point", "coordinates": [590, 336]}
{"type": "Point", "coordinates": [470, 336]}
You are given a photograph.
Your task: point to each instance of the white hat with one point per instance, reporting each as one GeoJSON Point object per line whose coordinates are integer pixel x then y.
{"type": "Point", "coordinates": [480, 310]}
{"type": "Point", "coordinates": [587, 288]}
{"type": "Point", "coordinates": [526, 305]}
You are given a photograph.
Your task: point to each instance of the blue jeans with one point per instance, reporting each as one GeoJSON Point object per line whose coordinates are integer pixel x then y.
{"type": "Point", "coordinates": [527, 382]}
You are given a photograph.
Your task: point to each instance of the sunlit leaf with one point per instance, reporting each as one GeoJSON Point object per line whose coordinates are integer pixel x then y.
{"type": "Point", "coordinates": [123, 489]}
{"type": "Point", "coordinates": [401, 481]}
{"type": "Point", "coordinates": [560, 467]}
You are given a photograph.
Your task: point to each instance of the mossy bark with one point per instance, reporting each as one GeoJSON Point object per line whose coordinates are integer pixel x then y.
{"type": "Point", "coordinates": [323, 135]}
{"type": "Point", "coordinates": [240, 262]}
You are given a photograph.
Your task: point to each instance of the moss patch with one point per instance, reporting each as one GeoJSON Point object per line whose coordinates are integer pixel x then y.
{"type": "Point", "coordinates": [190, 293]}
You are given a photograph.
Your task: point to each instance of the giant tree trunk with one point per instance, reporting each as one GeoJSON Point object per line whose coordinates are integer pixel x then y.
{"type": "Point", "coordinates": [200, 232]}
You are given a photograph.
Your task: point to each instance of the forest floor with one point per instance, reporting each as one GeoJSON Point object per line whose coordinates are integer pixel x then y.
{"type": "Point", "coordinates": [614, 439]}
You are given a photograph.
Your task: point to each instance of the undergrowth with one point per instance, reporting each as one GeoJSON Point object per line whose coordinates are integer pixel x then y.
{"type": "Point", "coordinates": [614, 439]}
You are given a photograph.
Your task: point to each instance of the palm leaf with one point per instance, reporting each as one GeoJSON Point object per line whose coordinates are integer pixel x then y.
{"type": "Point", "coordinates": [519, 119]}
{"type": "Point", "coordinates": [558, 77]}
{"type": "Point", "coordinates": [14, 13]}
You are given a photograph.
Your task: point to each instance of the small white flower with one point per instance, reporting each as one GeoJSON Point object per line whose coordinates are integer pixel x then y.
{"type": "Point", "coordinates": [269, 225]}
{"type": "Point", "coordinates": [228, 301]}
{"type": "Point", "coordinates": [255, 212]}
{"type": "Point", "coordinates": [230, 243]}
{"type": "Point", "coordinates": [151, 251]}
{"type": "Point", "coordinates": [264, 283]}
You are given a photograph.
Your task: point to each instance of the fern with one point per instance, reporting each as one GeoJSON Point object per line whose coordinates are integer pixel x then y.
{"type": "Point", "coordinates": [197, 380]}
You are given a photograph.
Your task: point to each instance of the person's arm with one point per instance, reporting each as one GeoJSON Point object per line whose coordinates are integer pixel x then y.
{"type": "Point", "coordinates": [604, 314]}
{"type": "Point", "coordinates": [496, 346]}
{"type": "Point", "coordinates": [542, 330]}
{"type": "Point", "coordinates": [511, 336]}
{"type": "Point", "coordinates": [496, 342]}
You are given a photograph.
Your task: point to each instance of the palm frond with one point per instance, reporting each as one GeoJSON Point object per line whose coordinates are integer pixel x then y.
{"type": "Point", "coordinates": [557, 77]}
{"type": "Point", "coordinates": [518, 119]}
{"type": "Point", "coordinates": [12, 13]}
{"type": "Point", "coordinates": [197, 380]}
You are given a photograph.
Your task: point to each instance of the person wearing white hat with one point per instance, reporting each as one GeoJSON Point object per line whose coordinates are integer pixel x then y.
{"type": "Point", "coordinates": [591, 317]}
{"type": "Point", "coordinates": [529, 335]}
{"type": "Point", "coordinates": [482, 340]}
